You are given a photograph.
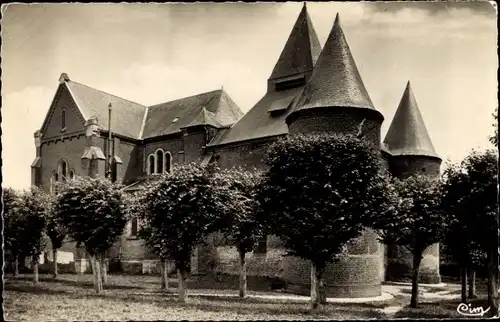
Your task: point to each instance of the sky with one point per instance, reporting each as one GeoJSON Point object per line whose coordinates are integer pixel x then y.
{"type": "Point", "coordinates": [153, 53]}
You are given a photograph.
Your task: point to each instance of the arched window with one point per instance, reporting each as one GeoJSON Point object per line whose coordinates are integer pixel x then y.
{"type": "Point", "coordinates": [159, 161]}
{"type": "Point", "coordinates": [63, 170]}
{"type": "Point", "coordinates": [53, 182]}
{"type": "Point", "coordinates": [168, 162]}
{"type": "Point", "coordinates": [151, 164]}
{"type": "Point", "coordinates": [63, 119]}
{"type": "Point", "coordinates": [71, 174]}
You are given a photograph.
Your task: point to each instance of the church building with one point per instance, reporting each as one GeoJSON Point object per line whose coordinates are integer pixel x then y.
{"type": "Point", "coordinates": [88, 132]}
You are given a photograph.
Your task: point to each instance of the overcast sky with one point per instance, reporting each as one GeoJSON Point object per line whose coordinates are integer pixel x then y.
{"type": "Point", "coordinates": [152, 53]}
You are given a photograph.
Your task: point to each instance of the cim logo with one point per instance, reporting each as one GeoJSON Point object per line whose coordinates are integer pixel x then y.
{"type": "Point", "coordinates": [468, 310]}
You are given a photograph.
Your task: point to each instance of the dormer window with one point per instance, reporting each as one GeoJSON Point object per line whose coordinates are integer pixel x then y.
{"type": "Point", "coordinates": [63, 120]}
{"type": "Point", "coordinates": [290, 82]}
{"type": "Point", "coordinates": [175, 119]}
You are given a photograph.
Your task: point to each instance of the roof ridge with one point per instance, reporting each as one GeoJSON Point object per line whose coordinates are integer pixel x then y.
{"type": "Point", "coordinates": [181, 98]}
{"type": "Point", "coordinates": [143, 125]}
{"type": "Point", "coordinates": [98, 90]}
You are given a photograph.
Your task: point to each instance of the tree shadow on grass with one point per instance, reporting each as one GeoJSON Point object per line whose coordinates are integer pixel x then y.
{"type": "Point", "coordinates": [438, 310]}
{"type": "Point", "coordinates": [33, 289]}
{"type": "Point", "coordinates": [69, 282]}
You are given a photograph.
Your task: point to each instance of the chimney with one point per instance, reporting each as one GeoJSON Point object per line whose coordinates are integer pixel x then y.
{"type": "Point", "coordinates": [38, 142]}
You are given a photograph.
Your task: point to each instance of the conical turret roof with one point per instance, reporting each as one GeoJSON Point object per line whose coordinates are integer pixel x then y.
{"type": "Point", "coordinates": [335, 80]}
{"type": "Point", "coordinates": [301, 50]}
{"type": "Point", "coordinates": [407, 133]}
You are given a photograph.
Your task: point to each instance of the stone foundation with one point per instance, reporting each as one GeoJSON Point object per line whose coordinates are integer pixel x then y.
{"type": "Point", "coordinates": [400, 265]}
{"type": "Point", "coordinates": [356, 274]}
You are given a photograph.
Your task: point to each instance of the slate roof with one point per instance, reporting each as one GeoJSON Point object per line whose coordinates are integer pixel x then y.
{"type": "Point", "coordinates": [126, 117]}
{"type": "Point", "coordinates": [258, 122]}
{"type": "Point", "coordinates": [407, 134]}
{"type": "Point", "coordinates": [301, 50]}
{"type": "Point", "coordinates": [137, 121]}
{"type": "Point", "coordinates": [335, 80]}
{"type": "Point", "coordinates": [298, 56]}
{"type": "Point", "coordinates": [213, 108]}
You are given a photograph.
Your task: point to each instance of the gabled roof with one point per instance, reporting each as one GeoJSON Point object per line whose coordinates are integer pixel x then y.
{"type": "Point", "coordinates": [258, 122]}
{"type": "Point", "coordinates": [137, 121]}
{"type": "Point", "coordinates": [213, 108]}
{"type": "Point", "coordinates": [126, 117]}
{"type": "Point", "coordinates": [301, 49]}
{"type": "Point", "coordinates": [335, 80]}
{"type": "Point", "coordinates": [407, 133]}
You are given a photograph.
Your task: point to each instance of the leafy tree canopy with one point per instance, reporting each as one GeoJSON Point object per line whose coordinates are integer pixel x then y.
{"type": "Point", "coordinates": [13, 223]}
{"type": "Point", "coordinates": [319, 192]}
{"type": "Point", "coordinates": [419, 221]}
{"type": "Point", "coordinates": [33, 209]}
{"type": "Point", "coordinates": [470, 199]}
{"type": "Point", "coordinates": [181, 209]}
{"type": "Point", "coordinates": [237, 188]}
{"type": "Point", "coordinates": [92, 210]}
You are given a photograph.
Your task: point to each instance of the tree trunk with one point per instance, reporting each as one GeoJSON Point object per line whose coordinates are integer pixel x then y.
{"type": "Point", "coordinates": [104, 271]}
{"type": "Point", "coordinates": [96, 272]}
{"type": "Point", "coordinates": [472, 284]}
{"type": "Point", "coordinates": [182, 289]}
{"type": "Point", "coordinates": [315, 298]}
{"type": "Point", "coordinates": [417, 258]}
{"type": "Point", "coordinates": [492, 284]}
{"type": "Point", "coordinates": [243, 275]}
{"type": "Point", "coordinates": [16, 266]}
{"type": "Point", "coordinates": [322, 294]}
{"type": "Point", "coordinates": [54, 258]}
{"type": "Point", "coordinates": [34, 263]}
{"type": "Point", "coordinates": [164, 274]}
{"type": "Point", "coordinates": [463, 279]}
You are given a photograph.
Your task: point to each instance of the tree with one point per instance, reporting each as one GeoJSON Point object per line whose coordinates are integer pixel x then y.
{"type": "Point", "coordinates": [33, 209]}
{"type": "Point", "coordinates": [92, 210]}
{"type": "Point", "coordinates": [243, 227]}
{"type": "Point", "coordinates": [12, 226]}
{"type": "Point", "coordinates": [473, 187]}
{"type": "Point", "coordinates": [318, 194]}
{"type": "Point", "coordinates": [136, 208]}
{"type": "Point", "coordinates": [418, 223]}
{"type": "Point", "coordinates": [57, 232]}
{"type": "Point", "coordinates": [461, 244]}
{"type": "Point", "coordinates": [494, 137]}
{"type": "Point", "coordinates": [181, 210]}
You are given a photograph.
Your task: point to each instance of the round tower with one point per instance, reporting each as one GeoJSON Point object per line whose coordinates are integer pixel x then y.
{"type": "Point", "coordinates": [412, 152]}
{"type": "Point", "coordinates": [336, 100]}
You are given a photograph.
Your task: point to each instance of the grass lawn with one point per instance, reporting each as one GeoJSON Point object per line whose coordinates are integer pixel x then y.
{"type": "Point", "coordinates": [71, 297]}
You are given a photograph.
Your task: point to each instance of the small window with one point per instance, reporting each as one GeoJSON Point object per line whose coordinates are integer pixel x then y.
{"type": "Point", "coordinates": [114, 172]}
{"type": "Point", "coordinates": [63, 119]}
{"type": "Point", "coordinates": [71, 174]}
{"type": "Point", "coordinates": [151, 164]}
{"type": "Point", "coordinates": [159, 161]}
{"type": "Point", "coordinates": [168, 161]}
{"type": "Point", "coordinates": [261, 247]}
{"type": "Point", "coordinates": [175, 119]}
{"type": "Point", "coordinates": [134, 227]}
{"type": "Point", "coordinates": [423, 169]}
